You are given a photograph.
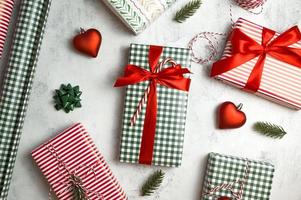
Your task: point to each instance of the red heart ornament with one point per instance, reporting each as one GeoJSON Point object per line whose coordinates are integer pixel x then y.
{"type": "Point", "coordinates": [230, 116]}
{"type": "Point", "coordinates": [88, 42]}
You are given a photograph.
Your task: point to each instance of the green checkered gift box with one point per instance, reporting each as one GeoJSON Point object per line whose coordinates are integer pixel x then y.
{"type": "Point", "coordinates": [155, 105]}
{"type": "Point", "coordinates": [233, 178]}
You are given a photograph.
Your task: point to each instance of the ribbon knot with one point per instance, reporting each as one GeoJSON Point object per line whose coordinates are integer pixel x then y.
{"type": "Point", "coordinates": [171, 77]}
{"type": "Point", "coordinates": [245, 49]}
{"type": "Point", "coordinates": [153, 76]}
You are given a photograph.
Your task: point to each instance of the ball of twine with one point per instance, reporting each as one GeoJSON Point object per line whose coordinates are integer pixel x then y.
{"type": "Point", "coordinates": [250, 4]}
{"type": "Point", "coordinates": [211, 37]}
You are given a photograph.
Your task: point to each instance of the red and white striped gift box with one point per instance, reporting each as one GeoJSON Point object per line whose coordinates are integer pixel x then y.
{"type": "Point", "coordinates": [6, 8]}
{"type": "Point", "coordinates": [74, 150]}
{"type": "Point", "coordinates": [280, 82]}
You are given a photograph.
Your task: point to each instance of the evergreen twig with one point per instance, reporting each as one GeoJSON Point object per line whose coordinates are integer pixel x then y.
{"type": "Point", "coordinates": [269, 129]}
{"type": "Point", "coordinates": [152, 183]}
{"type": "Point", "coordinates": [78, 191]}
{"type": "Point", "coordinates": [187, 11]}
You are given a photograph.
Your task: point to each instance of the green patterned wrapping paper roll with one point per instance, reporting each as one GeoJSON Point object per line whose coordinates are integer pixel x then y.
{"type": "Point", "coordinates": [237, 178]}
{"type": "Point", "coordinates": [18, 82]}
{"type": "Point", "coordinates": [171, 112]}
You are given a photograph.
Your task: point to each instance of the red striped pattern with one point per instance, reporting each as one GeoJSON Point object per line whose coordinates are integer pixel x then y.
{"type": "Point", "coordinates": [75, 148]}
{"type": "Point", "coordinates": [281, 82]}
{"type": "Point", "coordinates": [6, 8]}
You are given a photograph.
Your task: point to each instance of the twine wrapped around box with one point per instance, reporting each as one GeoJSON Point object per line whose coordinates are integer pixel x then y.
{"type": "Point", "coordinates": [74, 167]}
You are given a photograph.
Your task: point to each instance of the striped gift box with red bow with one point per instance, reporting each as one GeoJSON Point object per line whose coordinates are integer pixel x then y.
{"type": "Point", "coordinates": [279, 81]}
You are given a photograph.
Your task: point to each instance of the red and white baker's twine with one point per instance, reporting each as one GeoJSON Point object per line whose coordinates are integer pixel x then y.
{"type": "Point", "coordinates": [147, 90]}
{"type": "Point", "coordinates": [229, 186]}
{"type": "Point", "coordinates": [71, 182]}
{"type": "Point", "coordinates": [208, 36]}
{"type": "Point", "coordinates": [248, 5]}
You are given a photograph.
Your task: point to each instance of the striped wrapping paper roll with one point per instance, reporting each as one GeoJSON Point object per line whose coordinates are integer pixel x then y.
{"type": "Point", "coordinates": [6, 9]}
{"type": "Point", "coordinates": [281, 82]}
{"type": "Point", "coordinates": [74, 149]}
{"type": "Point", "coordinates": [17, 83]}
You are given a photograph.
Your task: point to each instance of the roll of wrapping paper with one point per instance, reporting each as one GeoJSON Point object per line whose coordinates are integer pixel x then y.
{"type": "Point", "coordinates": [6, 9]}
{"type": "Point", "coordinates": [18, 82]}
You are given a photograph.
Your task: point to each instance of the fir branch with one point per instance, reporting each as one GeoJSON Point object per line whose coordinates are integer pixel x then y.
{"type": "Point", "coordinates": [78, 191]}
{"type": "Point", "coordinates": [269, 129]}
{"type": "Point", "coordinates": [152, 183]}
{"type": "Point", "coordinates": [187, 11]}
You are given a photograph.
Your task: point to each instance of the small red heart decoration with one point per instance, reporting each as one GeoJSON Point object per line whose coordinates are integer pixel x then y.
{"type": "Point", "coordinates": [230, 116]}
{"type": "Point", "coordinates": [88, 42]}
{"type": "Point", "coordinates": [224, 198]}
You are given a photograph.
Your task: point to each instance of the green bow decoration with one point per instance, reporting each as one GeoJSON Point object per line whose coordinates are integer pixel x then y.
{"type": "Point", "coordinates": [67, 98]}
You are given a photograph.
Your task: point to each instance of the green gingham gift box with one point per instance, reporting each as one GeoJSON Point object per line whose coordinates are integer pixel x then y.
{"type": "Point", "coordinates": [237, 178]}
{"type": "Point", "coordinates": [138, 14]}
{"type": "Point", "coordinates": [171, 111]}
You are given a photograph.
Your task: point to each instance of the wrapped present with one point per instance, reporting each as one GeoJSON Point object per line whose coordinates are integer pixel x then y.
{"type": "Point", "coordinates": [229, 178]}
{"type": "Point", "coordinates": [6, 9]}
{"type": "Point", "coordinates": [138, 14]}
{"type": "Point", "coordinates": [74, 167]}
{"type": "Point", "coordinates": [264, 62]}
{"type": "Point", "coordinates": [155, 105]}
{"type": "Point", "coordinates": [18, 81]}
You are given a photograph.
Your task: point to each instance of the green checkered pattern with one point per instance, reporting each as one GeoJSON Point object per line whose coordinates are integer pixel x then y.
{"type": "Point", "coordinates": [17, 83]}
{"type": "Point", "coordinates": [226, 169]}
{"type": "Point", "coordinates": [171, 114]}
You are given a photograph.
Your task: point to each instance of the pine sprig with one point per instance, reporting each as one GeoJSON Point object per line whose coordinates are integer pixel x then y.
{"type": "Point", "coordinates": [269, 129]}
{"type": "Point", "coordinates": [152, 183]}
{"type": "Point", "coordinates": [78, 191]}
{"type": "Point", "coordinates": [187, 11]}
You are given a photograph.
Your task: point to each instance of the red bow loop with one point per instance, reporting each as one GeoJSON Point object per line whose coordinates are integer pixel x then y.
{"type": "Point", "coordinates": [245, 49]}
{"type": "Point", "coordinates": [172, 77]}
{"type": "Point", "coordinates": [132, 75]}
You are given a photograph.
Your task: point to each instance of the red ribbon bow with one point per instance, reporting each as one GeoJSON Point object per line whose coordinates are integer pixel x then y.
{"type": "Point", "coordinates": [245, 49]}
{"type": "Point", "coordinates": [171, 77]}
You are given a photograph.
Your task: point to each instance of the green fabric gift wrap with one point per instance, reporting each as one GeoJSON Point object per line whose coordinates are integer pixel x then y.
{"type": "Point", "coordinates": [171, 111]}
{"type": "Point", "coordinates": [237, 178]}
{"type": "Point", "coordinates": [18, 82]}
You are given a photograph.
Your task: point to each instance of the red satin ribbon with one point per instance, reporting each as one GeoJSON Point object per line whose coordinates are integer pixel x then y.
{"type": "Point", "coordinates": [245, 49]}
{"type": "Point", "coordinates": [171, 77]}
